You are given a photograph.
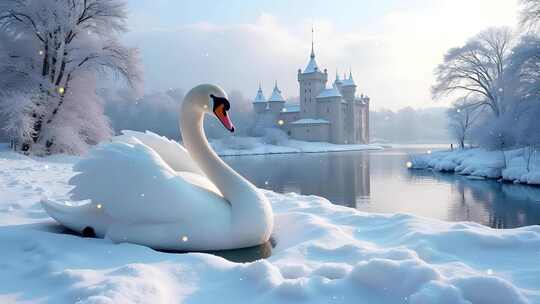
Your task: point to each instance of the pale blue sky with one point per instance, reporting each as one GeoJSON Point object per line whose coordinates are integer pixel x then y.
{"type": "Point", "coordinates": [392, 46]}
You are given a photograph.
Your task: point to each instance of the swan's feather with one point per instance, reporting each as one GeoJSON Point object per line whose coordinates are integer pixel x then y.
{"type": "Point", "coordinates": [132, 182]}
{"type": "Point", "coordinates": [173, 153]}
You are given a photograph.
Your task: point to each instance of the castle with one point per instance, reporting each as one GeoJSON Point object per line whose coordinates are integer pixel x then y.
{"type": "Point", "coordinates": [333, 114]}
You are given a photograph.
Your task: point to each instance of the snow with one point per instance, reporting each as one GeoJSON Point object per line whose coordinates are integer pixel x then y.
{"type": "Point", "coordinates": [305, 121]}
{"type": "Point", "coordinates": [324, 253]}
{"type": "Point", "coordinates": [256, 146]}
{"type": "Point", "coordinates": [509, 166]}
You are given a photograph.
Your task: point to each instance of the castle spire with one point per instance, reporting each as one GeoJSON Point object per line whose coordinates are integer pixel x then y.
{"type": "Point", "coordinates": [312, 48]}
{"type": "Point", "coordinates": [312, 64]}
{"type": "Point", "coordinates": [260, 96]}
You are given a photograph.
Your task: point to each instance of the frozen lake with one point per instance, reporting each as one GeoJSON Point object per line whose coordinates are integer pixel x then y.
{"type": "Point", "coordinates": [378, 181]}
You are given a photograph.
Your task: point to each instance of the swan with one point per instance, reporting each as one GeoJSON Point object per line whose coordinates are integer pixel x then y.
{"type": "Point", "coordinates": [142, 188]}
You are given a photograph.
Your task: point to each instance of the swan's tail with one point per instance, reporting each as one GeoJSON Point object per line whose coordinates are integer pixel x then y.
{"type": "Point", "coordinates": [85, 219]}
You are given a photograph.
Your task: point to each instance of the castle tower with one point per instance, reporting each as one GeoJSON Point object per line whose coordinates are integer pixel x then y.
{"type": "Point", "coordinates": [276, 101]}
{"type": "Point", "coordinates": [337, 82]}
{"type": "Point", "coordinates": [348, 88]}
{"type": "Point", "coordinates": [259, 103]}
{"type": "Point", "coordinates": [311, 82]}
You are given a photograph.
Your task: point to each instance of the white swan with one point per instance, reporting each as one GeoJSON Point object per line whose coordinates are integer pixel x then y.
{"type": "Point", "coordinates": [148, 190]}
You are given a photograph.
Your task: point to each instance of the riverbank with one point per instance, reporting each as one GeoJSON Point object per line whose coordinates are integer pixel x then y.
{"type": "Point", "coordinates": [518, 166]}
{"type": "Point", "coordinates": [324, 253]}
{"type": "Point", "coordinates": [256, 146]}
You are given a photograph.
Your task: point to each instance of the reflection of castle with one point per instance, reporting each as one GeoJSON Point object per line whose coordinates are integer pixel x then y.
{"type": "Point", "coordinates": [332, 114]}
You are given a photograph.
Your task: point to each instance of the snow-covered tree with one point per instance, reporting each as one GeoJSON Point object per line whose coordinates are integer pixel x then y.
{"type": "Point", "coordinates": [530, 14]}
{"type": "Point", "coordinates": [462, 116]}
{"type": "Point", "coordinates": [476, 70]}
{"type": "Point", "coordinates": [524, 68]}
{"type": "Point", "coordinates": [50, 55]}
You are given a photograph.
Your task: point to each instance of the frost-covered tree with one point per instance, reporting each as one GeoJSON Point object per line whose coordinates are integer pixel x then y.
{"type": "Point", "coordinates": [50, 55]}
{"type": "Point", "coordinates": [524, 69]}
{"type": "Point", "coordinates": [462, 116]}
{"type": "Point", "coordinates": [530, 14]}
{"type": "Point", "coordinates": [476, 70]}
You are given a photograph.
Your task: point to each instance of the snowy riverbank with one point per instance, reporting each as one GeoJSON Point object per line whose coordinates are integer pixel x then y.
{"type": "Point", "coordinates": [324, 254]}
{"type": "Point", "coordinates": [518, 166]}
{"type": "Point", "coordinates": [256, 145]}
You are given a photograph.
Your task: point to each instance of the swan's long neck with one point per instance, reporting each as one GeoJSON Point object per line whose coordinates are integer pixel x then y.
{"type": "Point", "coordinates": [247, 203]}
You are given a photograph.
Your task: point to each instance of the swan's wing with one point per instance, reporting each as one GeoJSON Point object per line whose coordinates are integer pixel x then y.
{"type": "Point", "coordinates": [173, 153]}
{"type": "Point", "coordinates": [133, 183]}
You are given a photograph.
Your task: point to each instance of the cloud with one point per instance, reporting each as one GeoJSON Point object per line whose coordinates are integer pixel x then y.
{"type": "Point", "coordinates": [392, 58]}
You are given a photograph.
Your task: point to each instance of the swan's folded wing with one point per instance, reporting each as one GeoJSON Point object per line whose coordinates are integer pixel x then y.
{"type": "Point", "coordinates": [173, 153]}
{"type": "Point", "coordinates": [132, 182]}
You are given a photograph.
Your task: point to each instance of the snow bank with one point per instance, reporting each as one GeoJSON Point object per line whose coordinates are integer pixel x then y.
{"type": "Point", "coordinates": [324, 253]}
{"type": "Point", "coordinates": [519, 165]}
{"type": "Point", "coordinates": [255, 146]}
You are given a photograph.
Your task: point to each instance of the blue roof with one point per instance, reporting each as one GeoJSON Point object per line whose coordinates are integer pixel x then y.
{"type": "Point", "coordinates": [291, 109]}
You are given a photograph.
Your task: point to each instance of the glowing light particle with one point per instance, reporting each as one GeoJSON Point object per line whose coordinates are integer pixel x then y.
{"type": "Point", "coordinates": [61, 90]}
{"type": "Point", "coordinates": [41, 52]}
{"type": "Point", "coordinates": [266, 183]}
{"type": "Point", "coordinates": [408, 164]}
{"type": "Point", "coordinates": [99, 206]}
{"type": "Point", "coordinates": [280, 122]}
{"type": "Point", "coordinates": [184, 238]}
{"type": "Point", "coordinates": [205, 106]}
{"type": "Point", "coordinates": [428, 151]}
{"type": "Point", "coordinates": [489, 271]}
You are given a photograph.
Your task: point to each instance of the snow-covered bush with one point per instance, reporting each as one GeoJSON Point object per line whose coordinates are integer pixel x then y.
{"type": "Point", "coordinates": [273, 136]}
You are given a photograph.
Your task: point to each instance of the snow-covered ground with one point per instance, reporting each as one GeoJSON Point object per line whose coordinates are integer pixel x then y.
{"type": "Point", "coordinates": [324, 254]}
{"type": "Point", "coordinates": [256, 145]}
{"type": "Point", "coordinates": [518, 165]}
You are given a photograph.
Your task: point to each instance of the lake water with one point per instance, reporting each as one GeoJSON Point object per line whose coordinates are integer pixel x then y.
{"type": "Point", "coordinates": [378, 181]}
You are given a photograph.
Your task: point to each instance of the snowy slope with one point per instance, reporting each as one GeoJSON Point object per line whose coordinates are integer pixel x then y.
{"type": "Point", "coordinates": [324, 254]}
{"type": "Point", "coordinates": [518, 165]}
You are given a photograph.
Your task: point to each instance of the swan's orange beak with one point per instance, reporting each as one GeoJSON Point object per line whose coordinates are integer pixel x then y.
{"type": "Point", "coordinates": [221, 114]}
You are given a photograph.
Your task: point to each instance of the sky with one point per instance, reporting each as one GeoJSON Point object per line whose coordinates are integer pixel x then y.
{"type": "Point", "coordinates": [391, 46]}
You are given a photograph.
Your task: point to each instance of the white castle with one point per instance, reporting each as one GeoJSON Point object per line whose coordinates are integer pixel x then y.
{"type": "Point", "coordinates": [332, 114]}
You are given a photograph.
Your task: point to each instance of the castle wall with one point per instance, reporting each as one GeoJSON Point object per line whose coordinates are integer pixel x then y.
{"type": "Point", "coordinates": [310, 132]}
{"type": "Point", "coordinates": [275, 107]}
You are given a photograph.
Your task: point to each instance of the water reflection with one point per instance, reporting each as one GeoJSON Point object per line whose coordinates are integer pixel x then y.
{"type": "Point", "coordinates": [378, 181]}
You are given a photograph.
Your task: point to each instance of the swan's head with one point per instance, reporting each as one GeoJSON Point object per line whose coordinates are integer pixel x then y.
{"type": "Point", "coordinates": [208, 98]}
{"type": "Point", "coordinates": [220, 106]}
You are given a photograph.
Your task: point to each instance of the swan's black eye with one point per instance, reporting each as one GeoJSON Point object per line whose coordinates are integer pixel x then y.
{"type": "Point", "coordinates": [220, 101]}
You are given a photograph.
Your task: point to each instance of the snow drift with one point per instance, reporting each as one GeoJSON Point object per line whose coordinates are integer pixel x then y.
{"type": "Point", "coordinates": [324, 253]}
